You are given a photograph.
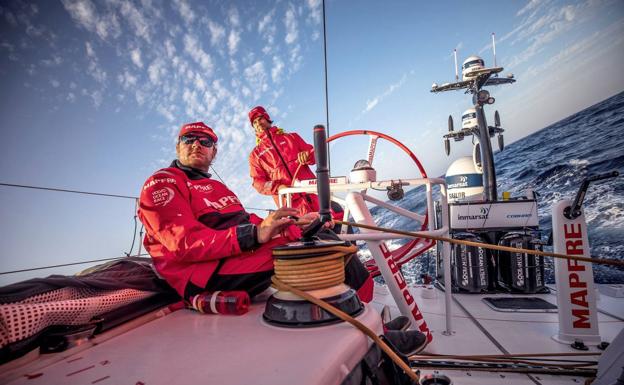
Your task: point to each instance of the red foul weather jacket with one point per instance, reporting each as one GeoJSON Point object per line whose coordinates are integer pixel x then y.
{"type": "Point", "coordinates": [192, 222]}
{"type": "Point", "coordinates": [273, 162]}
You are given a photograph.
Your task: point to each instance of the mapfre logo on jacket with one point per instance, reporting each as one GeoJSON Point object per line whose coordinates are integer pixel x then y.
{"type": "Point", "coordinates": [223, 202]}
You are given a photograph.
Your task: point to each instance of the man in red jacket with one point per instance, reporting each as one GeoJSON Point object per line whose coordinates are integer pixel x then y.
{"type": "Point", "coordinates": [278, 159]}
{"type": "Point", "coordinates": [199, 235]}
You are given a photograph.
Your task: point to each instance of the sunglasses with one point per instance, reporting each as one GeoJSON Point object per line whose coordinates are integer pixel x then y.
{"type": "Point", "coordinates": [205, 141]}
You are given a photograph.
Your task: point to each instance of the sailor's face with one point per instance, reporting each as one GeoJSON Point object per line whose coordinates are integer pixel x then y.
{"type": "Point", "coordinates": [260, 124]}
{"type": "Point", "coordinates": [195, 155]}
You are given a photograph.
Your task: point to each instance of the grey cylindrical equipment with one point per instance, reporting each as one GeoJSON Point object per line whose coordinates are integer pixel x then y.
{"type": "Point", "coordinates": [322, 172]}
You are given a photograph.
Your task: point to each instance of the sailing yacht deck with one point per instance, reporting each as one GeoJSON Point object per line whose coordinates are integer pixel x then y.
{"type": "Point", "coordinates": [480, 330]}
{"type": "Point", "coordinates": [186, 347]}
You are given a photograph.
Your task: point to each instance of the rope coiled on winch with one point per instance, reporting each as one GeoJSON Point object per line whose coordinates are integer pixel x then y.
{"type": "Point", "coordinates": [313, 268]}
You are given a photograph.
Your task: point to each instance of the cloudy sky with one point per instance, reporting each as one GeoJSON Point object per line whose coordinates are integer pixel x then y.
{"type": "Point", "coordinates": [93, 92]}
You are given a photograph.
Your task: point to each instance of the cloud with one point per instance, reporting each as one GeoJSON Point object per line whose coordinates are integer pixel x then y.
{"type": "Point", "coordinates": [370, 104]}
{"type": "Point", "coordinates": [194, 49]}
{"type": "Point", "coordinates": [183, 7]}
{"type": "Point", "coordinates": [233, 40]}
{"type": "Point", "coordinates": [295, 58]}
{"type": "Point", "coordinates": [135, 55]}
{"type": "Point", "coordinates": [266, 23]}
{"type": "Point", "coordinates": [533, 4]}
{"type": "Point", "coordinates": [290, 21]}
{"type": "Point", "coordinates": [93, 66]}
{"type": "Point", "coordinates": [315, 11]}
{"type": "Point", "coordinates": [170, 48]}
{"type": "Point", "coordinates": [54, 61]}
{"type": "Point", "coordinates": [541, 31]}
{"type": "Point", "coordinates": [85, 14]}
{"type": "Point", "coordinates": [234, 17]}
{"type": "Point", "coordinates": [277, 69]}
{"type": "Point", "coordinates": [127, 80]}
{"type": "Point", "coordinates": [155, 71]}
{"type": "Point", "coordinates": [580, 52]}
{"type": "Point", "coordinates": [140, 97]}
{"type": "Point", "coordinates": [256, 77]}
{"type": "Point", "coordinates": [10, 18]}
{"type": "Point", "coordinates": [137, 20]}
{"type": "Point", "coordinates": [267, 30]}
{"type": "Point", "coordinates": [167, 112]}
{"type": "Point", "coordinates": [96, 96]}
{"type": "Point", "coordinates": [217, 32]}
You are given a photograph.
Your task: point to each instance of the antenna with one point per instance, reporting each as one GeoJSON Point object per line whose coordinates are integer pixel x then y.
{"type": "Point", "coordinates": [494, 48]}
{"type": "Point", "coordinates": [456, 73]}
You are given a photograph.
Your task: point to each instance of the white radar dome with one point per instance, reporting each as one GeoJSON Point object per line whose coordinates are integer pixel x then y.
{"type": "Point", "coordinates": [463, 181]}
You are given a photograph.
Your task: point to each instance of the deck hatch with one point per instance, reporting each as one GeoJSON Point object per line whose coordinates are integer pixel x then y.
{"type": "Point", "coordinates": [520, 304]}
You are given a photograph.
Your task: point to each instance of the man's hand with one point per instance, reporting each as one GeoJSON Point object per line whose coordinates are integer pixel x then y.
{"type": "Point", "coordinates": [275, 222]}
{"type": "Point", "coordinates": [303, 157]}
{"type": "Point", "coordinates": [309, 217]}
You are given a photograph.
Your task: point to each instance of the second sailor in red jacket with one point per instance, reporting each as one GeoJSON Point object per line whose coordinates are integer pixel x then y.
{"type": "Point", "coordinates": [278, 159]}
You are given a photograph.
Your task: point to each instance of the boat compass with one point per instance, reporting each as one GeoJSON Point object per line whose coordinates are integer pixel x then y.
{"type": "Point", "coordinates": [314, 265]}
{"type": "Point", "coordinates": [475, 76]}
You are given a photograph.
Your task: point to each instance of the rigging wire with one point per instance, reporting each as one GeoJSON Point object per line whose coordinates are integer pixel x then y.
{"type": "Point", "coordinates": [72, 263]}
{"type": "Point", "coordinates": [326, 86]}
{"type": "Point", "coordinates": [68, 191]}
{"type": "Point", "coordinates": [127, 254]}
{"type": "Point", "coordinates": [217, 174]}
{"type": "Point", "coordinates": [136, 204]}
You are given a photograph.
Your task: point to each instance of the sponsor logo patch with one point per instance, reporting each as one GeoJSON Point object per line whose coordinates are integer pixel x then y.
{"type": "Point", "coordinates": [223, 202]}
{"type": "Point", "coordinates": [156, 181]}
{"type": "Point", "coordinates": [206, 188]}
{"type": "Point", "coordinates": [163, 196]}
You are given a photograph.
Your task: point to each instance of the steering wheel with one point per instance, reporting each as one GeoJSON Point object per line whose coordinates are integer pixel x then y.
{"type": "Point", "coordinates": [414, 246]}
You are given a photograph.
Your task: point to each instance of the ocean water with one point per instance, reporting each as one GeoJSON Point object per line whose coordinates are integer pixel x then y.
{"type": "Point", "coordinates": [553, 162]}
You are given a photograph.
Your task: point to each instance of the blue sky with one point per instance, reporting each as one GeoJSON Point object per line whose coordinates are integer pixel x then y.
{"type": "Point", "coordinates": [93, 92]}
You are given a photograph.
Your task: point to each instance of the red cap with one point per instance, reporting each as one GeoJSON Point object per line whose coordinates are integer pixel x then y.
{"type": "Point", "coordinates": [198, 127]}
{"type": "Point", "coordinates": [256, 112]}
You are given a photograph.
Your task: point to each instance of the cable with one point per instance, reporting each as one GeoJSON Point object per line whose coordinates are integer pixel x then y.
{"type": "Point", "coordinates": [345, 317]}
{"type": "Point", "coordinates": [318, 270]}
{"type": "Point", "coordinates": [69, 191]}
{"type": "Point", "coordinates": [217, 174]}
{"type": "Point", "coordinates": [136, 203]}
{"type": "Point", "coordinates": [603, 261]}
{"type": "Point", "coordinates": [326, 86]}
{"type": "Point", "coordinates": [70, 264]}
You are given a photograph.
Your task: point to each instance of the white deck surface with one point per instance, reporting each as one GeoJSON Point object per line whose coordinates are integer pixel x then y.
{"type": "Point", "coordinates": [516, 332]}
{"type": "Point", "coordinates": [186, 347]}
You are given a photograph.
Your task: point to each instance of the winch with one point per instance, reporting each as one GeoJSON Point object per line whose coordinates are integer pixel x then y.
{"type": "Point", "coordinates": [313, 265]}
